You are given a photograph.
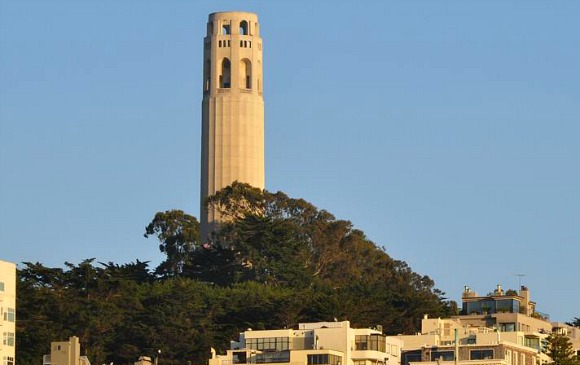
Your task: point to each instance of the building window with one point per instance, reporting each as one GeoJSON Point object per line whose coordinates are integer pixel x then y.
{"type": "Point", "coordinates": [244, 27]}
{"type": "Point", "coordinates": [410, 356]}
{"type": "Point", "coordinates": [378, 343]}
{"type": "Point", "coordinates": [245, 74]}
{"type": "Point", "coordinates": [225, 77]}
{"type": "Point", "coordinates": [225, 29]}
{"type": "Point", "coordinates": [272, 357]}
{"type": "Point", "coordinates": [481, 354]}
{"type": "Point", "coordinates": [1, 286]}
{"type": "Point", "coordinates": [8, 339]}
{"type": "Point", "coordinates": [361, 342]}
{"type": "Point", "coordinates": [507, 327]}
{"type": "Point", "coordinates": [10, 315]}
{"type": "Point", "coordinates": [324, 359]}
{"type": "Point", "coordinates": [8, 360]}
{"type": "Point", "coordinates": [443, 355]}
{"type": "Point", "coordinates": [269, 343]}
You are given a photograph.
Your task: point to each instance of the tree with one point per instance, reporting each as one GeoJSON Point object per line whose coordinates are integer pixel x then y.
{"type": "Point", "coordinates": [560, 350]}
{"type": "Point", "coordinates": [178, 235]}
{"type": "Point", "coordinates": [575, 322]}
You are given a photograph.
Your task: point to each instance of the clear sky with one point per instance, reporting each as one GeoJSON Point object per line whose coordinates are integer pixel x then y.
{"type": "Point", "coordinates": [448, 131]}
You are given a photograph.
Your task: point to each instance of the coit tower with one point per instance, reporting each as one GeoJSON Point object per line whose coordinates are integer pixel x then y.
{"type": "Point", "coordinates": [232, 138]}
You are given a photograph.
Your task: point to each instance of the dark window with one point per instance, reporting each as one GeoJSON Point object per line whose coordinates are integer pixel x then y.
{"type": "Point", "coordinates": [378, 342]}
{"type": "Point", "coordinates": [443, 355]}
{"type": "Point", "coordinates": [361, 342]}
{"type": "Point", "coordinates": [269, 343]}
{"type": "Point", "coordinates": [481, 354]}
{"type": "Point", "coordinates": [324, 359]}
{"type": "Point", "coordinates": [410, 356]}
{"type": "Point", "coordinates": [244, 27]}
{"type": "Point", "coordinates": [225, 77]}
{"type": "Point", "coordinates": [272, 357]}
{"type": "Point", "coordinates": [239, 357]}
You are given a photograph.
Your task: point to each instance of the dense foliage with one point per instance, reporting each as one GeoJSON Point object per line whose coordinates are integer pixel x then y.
{"type": "Point", "coordinates": [277, 261]}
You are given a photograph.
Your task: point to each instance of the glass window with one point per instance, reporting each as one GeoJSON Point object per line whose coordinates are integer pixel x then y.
{"type": "Point", "coordinates": [324, 359]}
{"type": "Point", "coordinates": [8, 339]}
{"type": "Point", "coordinates": [448, 355]}
{"type": "Point", "coordinates": [361, 342]}
{"type": "Point", "coordinates": [1, 286]}
{"type": "Point", "coordinates": [378, 343]}
{"type": "Point", "coordinates": [8, 360]}
{"type": "Point", "coordinates": [269, 343]}
{"type": "Point", "coordinates": [481, 354]}
{"type": "Point", "coordinates": [410, 356]}
{"type": "Point", "coordinates": [9, 315]}
{"type": "Point", "coordinates": [507, 327]}
{"type": "Point", "coordinates": [271, 357]}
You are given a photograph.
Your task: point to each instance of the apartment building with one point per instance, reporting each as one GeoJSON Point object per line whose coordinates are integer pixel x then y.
{"type": "Point", "coordinates": [329, 343]}
{"type": "Point", "coordinates": [498, 328]}
{"type": "Point", "coordinates": [8, 312]}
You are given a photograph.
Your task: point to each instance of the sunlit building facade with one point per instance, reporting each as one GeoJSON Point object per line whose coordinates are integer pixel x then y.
{"type": "Point", "coordinates": [232, 142]}
{"type": "Point", "coordinates": [8, 312]}
{"type": "Point", "coordinates": [320, 343]}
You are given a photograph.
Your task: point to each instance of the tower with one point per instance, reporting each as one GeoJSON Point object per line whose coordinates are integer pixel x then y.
{"type": "Point", "coordinates": [232, 138]}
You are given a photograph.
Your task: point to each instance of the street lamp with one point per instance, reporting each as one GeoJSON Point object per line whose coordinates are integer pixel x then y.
{"type": "Point", "coordinates": [157, 357]}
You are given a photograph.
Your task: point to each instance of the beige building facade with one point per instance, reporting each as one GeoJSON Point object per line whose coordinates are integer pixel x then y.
{"type": "Point", "coordinates": [232, 145]}
{"type": "Point", "coordinates": [329, 343]}
{"type": "Point", "coordinates": [8, 312]}
{"type": "Point", "coordinates": [65, 353]}
{"type": "Point", "coordinates": [502, 327]}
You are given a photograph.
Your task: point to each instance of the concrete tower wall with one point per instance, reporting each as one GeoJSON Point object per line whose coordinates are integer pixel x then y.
{"type": "Point", "coordinates": [232, 108]}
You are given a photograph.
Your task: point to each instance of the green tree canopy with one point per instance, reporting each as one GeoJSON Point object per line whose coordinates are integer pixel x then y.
{"type": "Point", "coordinates": [560, 350]}
{"type": "Point", "coordinates": [178, 235]}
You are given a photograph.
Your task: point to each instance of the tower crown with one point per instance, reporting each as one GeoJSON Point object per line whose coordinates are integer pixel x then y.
{"type": "Point", "coordinates": [233, 23]}
{"type": "Point", "coordinates": [232, 54]}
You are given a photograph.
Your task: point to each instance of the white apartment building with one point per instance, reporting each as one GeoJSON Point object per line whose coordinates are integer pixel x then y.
{"type": "Point", "coordinates": [8, 312]}
{"type": "Point", "coordinates": [321, 343]}
{"type": "Point", "coordinates": [500, 328]}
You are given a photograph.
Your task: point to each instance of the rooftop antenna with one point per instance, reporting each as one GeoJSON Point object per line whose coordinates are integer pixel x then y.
{"type": "Point", "coordinates": [520, 280]}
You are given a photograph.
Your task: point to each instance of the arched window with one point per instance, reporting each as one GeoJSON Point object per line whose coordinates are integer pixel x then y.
{"type": "Point", "coordinates": [225, 75]}
{"type": "Point", "coordinates": [225, 29]}
{"type": "Point", "coordinates": [206, 75]}
{"type": "Point", "coordinates": [245, 74]}
{"type": "Point", "coordinates": [210, 28]}
{"type": "Point", "coordinates": [258, 80]}
{"type": "Point", "coordinates": [243, 27]}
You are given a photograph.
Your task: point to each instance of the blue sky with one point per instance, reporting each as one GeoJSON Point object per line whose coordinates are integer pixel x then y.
{"type": "Point", "coordinates": [448, 131]}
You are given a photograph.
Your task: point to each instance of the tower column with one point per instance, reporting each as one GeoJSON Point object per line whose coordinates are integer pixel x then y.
{"type": "Point", "coordinates": [232, 146]}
